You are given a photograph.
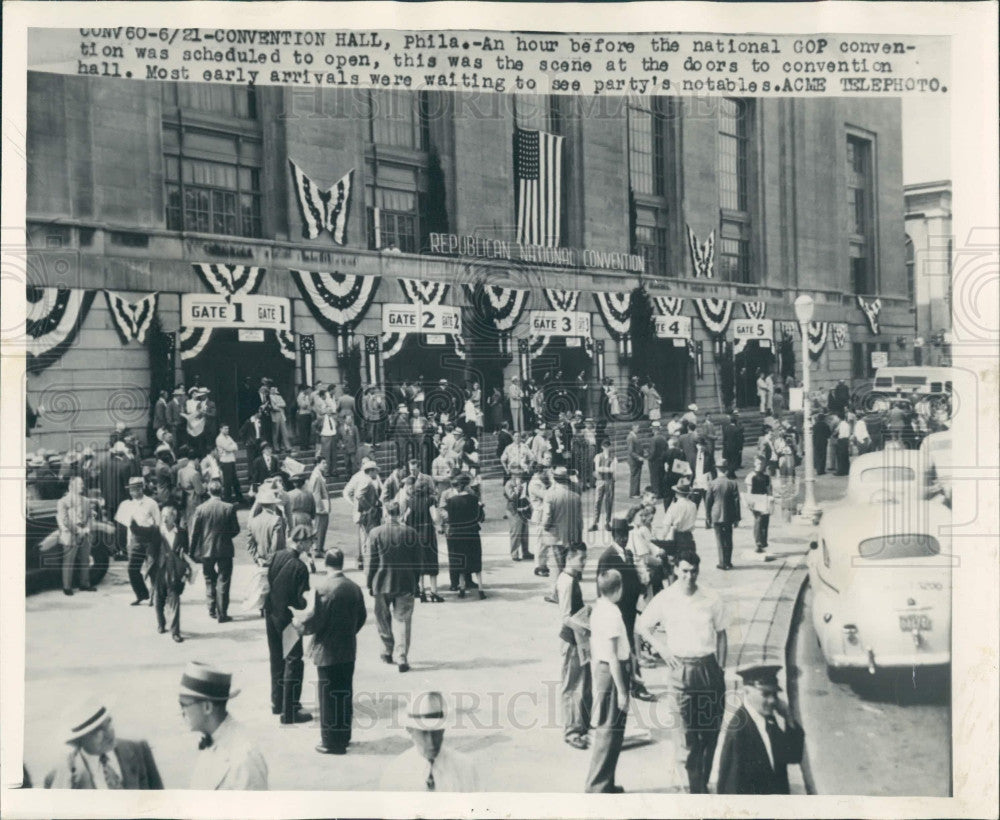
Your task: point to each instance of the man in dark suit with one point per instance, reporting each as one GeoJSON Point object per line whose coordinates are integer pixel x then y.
{"type": "Point", "coordinates": [98, 759]}
{"type": "Point", "coordinates": [175, 421]}
{"type": "Point", "coordinates": [213, 527]}
{"type": "Point", "coordinates": [288, 581]}
{"type": "Point", "coordinates": [687, 440]}
{"type": "Point", "coordinates": [732, 441]}
{"type": "Point", "coordinates": [636, 453]}
{"type": "Point", "coordinates": [756, 749]}
{"type": "Point", "coordinates": [675, 458]}
{"type": "Point", "coordinates": [821, 439]}
{"type": "Point", "coordinates": [334, 623]}
{"type": "Point", "coordinates": [169, 569]}
{"type": "Point", "coordinates": [619, 558]}
{"type": "Point", "coordinates": [263, 467]}
{"type": "Point", "coordinates": [251, 436]}
{"type": "Point", "coordinates": [160, 411]}
{"type": "Point", "coordinates": [722, 512]}
{"type": "Point", "coordinates": [562, 525]}
{"type": "Point", "coordinates": [657, 458]}
{"type": "Point", "coordinates": [394, 564]}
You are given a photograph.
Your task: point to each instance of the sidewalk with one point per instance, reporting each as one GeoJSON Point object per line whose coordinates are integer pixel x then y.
{"type": "Point", "coordinates": [497, 661]}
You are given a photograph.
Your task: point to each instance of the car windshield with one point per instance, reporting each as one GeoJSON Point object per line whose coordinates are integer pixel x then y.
{"type": "Point", "coordinates": [893, 547]}
{"type": "Point", "coordinates": [885, 475]}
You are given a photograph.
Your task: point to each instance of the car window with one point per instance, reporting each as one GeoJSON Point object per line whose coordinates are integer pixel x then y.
{"type": "Point", "coordinates": [881, 475]}
{"type": "Point", "coordinates": [894, 547]}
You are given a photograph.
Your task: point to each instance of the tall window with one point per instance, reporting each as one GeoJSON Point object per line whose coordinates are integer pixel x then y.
{"type": "Point", "coordinates": [860, 216]}
{"type": "Point", "coordinates": [734, 189]}
{"type": "Point", "coordinates": [397, 169]}
{"type": "Point", "coordinates": [212, 159]}
{"type": "Point", "coordinates": [646, 158]}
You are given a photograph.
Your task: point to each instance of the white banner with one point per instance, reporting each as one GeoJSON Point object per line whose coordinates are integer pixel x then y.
{"type": "Point", "coordinates": [400, 318]}
{"type": "Point", "coordinates": [879, 359]}
{"type": "Point", "coordinates": [673, 327]}
{"type": "Point", "coordinates": [242, 311]}
{"type": "Point", "coordinates": [559, 323]}
{"type": "Point", "coordinates": [754, 329]}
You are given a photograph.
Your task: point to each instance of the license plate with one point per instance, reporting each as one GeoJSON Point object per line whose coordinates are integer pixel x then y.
{"type": "Point", "coordinates": [915, 623]}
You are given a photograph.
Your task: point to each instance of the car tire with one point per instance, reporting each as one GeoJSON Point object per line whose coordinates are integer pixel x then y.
{"type": "Point", "coordinates": [100, 559]}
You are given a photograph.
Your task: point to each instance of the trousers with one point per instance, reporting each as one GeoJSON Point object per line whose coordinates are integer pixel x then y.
{"type": "Point", "coordinates": [76, 556]}
{"type": "Point", "coordinates": [231, 490]}
{"type": "Point", "coordinates": [136, 557]}
{"type": "Point", "coordinates": [724, 542]}
{"type": "Point", "coordinates": [634, 476]}
{"type": "Point", "coordinates": [322, 522]}
{"type": "Point", "coordinates": [609, 733]}
{"type": "Point", "coordinates": [700, 689]}
{"type": "Point", "coordinates": [336, 703]}
{"type": "Point", "coordinates": [393, 615]}
{"type": "Point", "coordinates": [760, 524]}
{"type": "Point", "coordinates": [167, 603]}
{"type": "Point", "coordinates": [287, 672]}
{"type": "Point", "coordinates": [575, 693]}
{"type": "Point", "coordinates": [605, 500]}
{"type": "Point", "coordinates": [218, 576]}
{"type": "Point", "coordinates": [304, 425]}
{"type": "Point", "coordinates": [518, 527]}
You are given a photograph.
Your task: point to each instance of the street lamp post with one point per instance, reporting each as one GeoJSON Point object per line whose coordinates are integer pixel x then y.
{"type": "Point", "coordinates": [804, 312]}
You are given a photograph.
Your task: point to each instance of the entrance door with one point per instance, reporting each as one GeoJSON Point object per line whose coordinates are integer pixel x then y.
{"type": "Point", "coordinates": [670, 370]}
{"type": "Point", "coordinates": [557, 370]}
{"type": "Point", "coordinates": [225, 363]}
{"type": "Point", "coordinates": [747, 365]}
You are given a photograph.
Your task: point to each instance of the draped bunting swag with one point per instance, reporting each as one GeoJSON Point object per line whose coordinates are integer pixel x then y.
{"type": "Point", "coordinates": [817, 334]}
{"type": "Point", "coordinates": [286, 343]}
{"type": "Point", "coordinates": [840, 334]}
{"type": "Point", "coordinates": [702, 256]}
{"type": "Point", "coordinates": [131, 320]}
{"type": "Point", "coordinates": [669, 305]}
{"type": "Point", "coordinates": [323, 209]}
{"type": "Point", "coordinates": [616, 312]}
{"type": "Point", "coordinates": [54, 316]}
{"type": "Point", "coordinates": [192, 341]}
{"type": "Point", "coordinates": [871, 310]}
{"type": "Point", "coordinates": [562, 299]}
{"type": "Point", "coordinates": [338, 301]}
{"type": "Point", "coordinates": [506, 309]}
{"type": "Point", "coordinates": [229, 280]}
{"type": "Point", "coordinates": [714, 313]}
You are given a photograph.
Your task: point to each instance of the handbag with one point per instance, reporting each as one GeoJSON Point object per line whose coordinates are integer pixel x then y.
{"type": "Point", "coordinates": [761, 503]}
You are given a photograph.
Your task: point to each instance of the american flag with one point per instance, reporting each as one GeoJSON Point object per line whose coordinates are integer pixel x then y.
{"type": "Point", "coordinates": [538, 174]}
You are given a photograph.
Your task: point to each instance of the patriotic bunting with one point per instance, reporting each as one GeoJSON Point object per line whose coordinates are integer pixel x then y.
{"type": "Point", "coordinates": [840, 334]}
{"type": "Point", "coordinates": [715, 313]}
{"type": "Point", "coordinates": [339, 301]}
{"type": "Point", "coordinates": [702, 256]}
{"type": "Point", "coordinates": [562, 299]}
{"type": "Point", "coordinates": [871, 310]}
{"type": "Point", "coordinates": [755, 310]}
{"type": "Point", "coordinates": [372, 359]}
{"type": "Point", "coordinates": [229, 280]}
{"type": "Point", "coordinates": [323, 209]}
{"type": "Point", "coordinates": [192, 341]}
{"type": "Point", "coordinates": [669, 305]}
{"type": "Point", "coordinates": [54, 316]}
{"type": "Point", "coordinates": [816, 334]}
{"type": "Point", "coordinates": [616, 311]}
{"type": "Point", "coordinates": [286, 343]}
{"type": "Point", "coordinates": [131, 320]}
{"type": "Point", "coordinates": [503, 307]}
{"type": "Point", "coordinates": [424, 293]}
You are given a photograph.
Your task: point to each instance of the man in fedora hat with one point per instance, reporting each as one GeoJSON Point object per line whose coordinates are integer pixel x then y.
{"type": "Point", "coordinates": [267, 530]}
{"type": "Point", "coordinates": [562, 522]}
{"type": "Point", "coordinates": [213, 527]}
{"type": "Point", "coordinates": [227, 757]}
{"type": "Point", "coordinates": [722, 512]}
{"type": "Point", "coordinates": [679, 521]}
{"type": "Point", "coordinates": [140, 516]}
{"type": "Point", "coordinates": [288, 582]}
{"type": "Point", "coordinates": [762, 737]}
{"type": "Point", "coordinates": [430, 765]}
{"type": "Point", "coordinates": [98, 759]}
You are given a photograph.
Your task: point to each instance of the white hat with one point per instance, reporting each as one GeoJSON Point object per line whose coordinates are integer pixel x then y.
{"type": "Point", "coordinates": [86, 716]}
{"type": "Point", "coordinates": [426, 712]}
{"type": "Point", "coordinates": [693, 408]}
{"type": "Point", "coordinates": [368, 464]}
{"type": "Point", "coordinates": [205, 683]}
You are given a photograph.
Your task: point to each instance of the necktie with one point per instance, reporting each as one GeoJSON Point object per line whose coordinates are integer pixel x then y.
{"type": "Point", "coordinates": [777, 739]}
{"type": "Point", "coordinates": [430, 777]}
{"type": "Point", "coordinates": [111, 777]}
{"type": "Point", "coordinates": [205, 742]}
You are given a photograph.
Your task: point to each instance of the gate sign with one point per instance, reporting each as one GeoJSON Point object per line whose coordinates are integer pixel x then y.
{"type": "Point", "coordinates": [239, 311]}
{"type": "Point", "coordinates": [400, 318]}
{"type": "Point", "coordinates": [753, 330]}
{"type": "Point", "coordinates": [559, 323]}
{"type": "Point", "coordinates": [673, 327]}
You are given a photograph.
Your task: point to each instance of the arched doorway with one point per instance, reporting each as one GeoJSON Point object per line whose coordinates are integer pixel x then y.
{"type": "Point", "coordinates": [420, 363]}
{"type": "Point", "coordinates": [747, 365]}
{"type": "Point", "coordinates": [226, 363]}
{"type": "Point", "coordinates": [557, 370]}
{"type": "Point", "coordinates": [669, 366]}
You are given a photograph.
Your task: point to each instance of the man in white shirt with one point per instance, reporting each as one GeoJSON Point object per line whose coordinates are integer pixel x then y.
{"type": "Point", "coordinates": [604, 472]}
{"type": "Point", "coordinates": [442, 469]}
{"type": "Point", "coordinates": [516, 456]}
{"type": "Point", "coordinates": [430, 765]}
{"type": "Point", "coordinates": [321, 497]}
{"type": "Point", "coordinates": [541, 447]}
{"type": "Point", "coordinates": [862, 440]}
{"type": "Point", "coordinates": [538, 486]}
{"type": "Point", "coordinates": [140, 515]}
{"type": "Point", "coordinates": [691, 416]}
{"type": "Point", "coordinates": [679, 521]}
{"type": "Point", "coordinates": [609, 657]}
{"type": "Point", "coordinates": [227, 756]}
{"type": "Point", "coordinates": [227, 448]}
{"type": "Point", "coordinates": [695, 652]}
{"type": "Point", "coordinates": [368, 474]}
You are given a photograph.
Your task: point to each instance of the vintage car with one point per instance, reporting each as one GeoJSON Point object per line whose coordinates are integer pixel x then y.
{"type": "Point", "coordinates": [885, 476]}
{"type": "Point", "coordinates": [912, 385]}
{"type": "Point", "coordinates": [43, 551]}
{"type": "Point", "coordinates": [881, 581]}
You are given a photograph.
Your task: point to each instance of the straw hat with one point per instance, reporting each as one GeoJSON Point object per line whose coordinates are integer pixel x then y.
{"type": "Point", "coordinates": [426, 712]}
{"type": "Point", "coordinates": [206, 683]}
{"type": "Point", "coordinates": [85, 716]}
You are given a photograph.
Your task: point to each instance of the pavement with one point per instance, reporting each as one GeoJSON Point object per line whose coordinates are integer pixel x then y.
{"type": "Point", "coordinates": [496, 660]}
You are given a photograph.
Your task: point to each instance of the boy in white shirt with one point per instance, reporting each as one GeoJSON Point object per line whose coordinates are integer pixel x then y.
{"type": "Point", "coordinates": [610, 652]}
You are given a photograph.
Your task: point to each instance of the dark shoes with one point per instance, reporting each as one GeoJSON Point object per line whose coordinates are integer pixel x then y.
{"type": "Point", "coordinates": [461, 593]}
{"type": "Point", "coordinates": [161, 629]}
{"type": "Point", "coordinates": [404, 667]}
{"type": "Point", "coordinates": [641, 693]}
{"type": "Point", "coordinates": [136, 602]}
{"type": "Point", "coordinates": [88, 589]}
{"type": "Point", "coordinates": [178, 639]}
{"type": "Point", "coordinates": [70, 592]}
{"type": "Point", "coordinates": [542, 572]}
{"type": "Point", "coordinates": [299, 717]}
{"type": "Point", "coordinates": [386, 658]}
{"type": "Point", "coordinates": [331, 750]}
{"type": "Point", "coordinates": [224, 619]}
{"type": "Point", "coordinates": [528, 556]}
{"type": "Point", "coordinates": [482, 595]}
{"type": "Point", "coordinates": [551, 599]}
{"type": "Point", "coordinates": [578, 742]}
{"type": "Point", "coordinates": [434, 598]}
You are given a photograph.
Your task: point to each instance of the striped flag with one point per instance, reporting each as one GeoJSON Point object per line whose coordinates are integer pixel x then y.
{"type": "Point", "coordinates": [538, 177]}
